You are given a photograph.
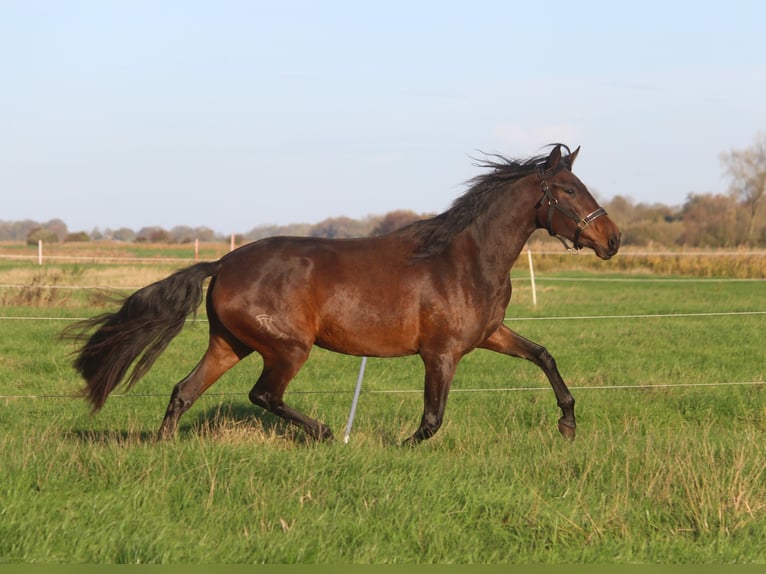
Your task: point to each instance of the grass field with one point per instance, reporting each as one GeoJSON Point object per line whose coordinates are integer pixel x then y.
{"type": "Point", "coordinates": [669, 465]}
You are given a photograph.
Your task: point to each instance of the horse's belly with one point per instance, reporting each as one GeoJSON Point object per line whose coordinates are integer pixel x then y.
{"type": "Point", "coordinates": [364, 332]}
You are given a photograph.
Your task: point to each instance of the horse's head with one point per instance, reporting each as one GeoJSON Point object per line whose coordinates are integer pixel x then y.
{"type": "Point", "coordinates": [567, 209]}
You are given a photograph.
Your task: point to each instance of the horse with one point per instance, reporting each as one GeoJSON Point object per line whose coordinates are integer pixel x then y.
{"type": "Point", "coordinates": [437, 288]}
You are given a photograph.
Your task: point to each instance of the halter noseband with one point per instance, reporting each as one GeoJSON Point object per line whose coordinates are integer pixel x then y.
{"type": "Point", "coordinates": [582, 223]}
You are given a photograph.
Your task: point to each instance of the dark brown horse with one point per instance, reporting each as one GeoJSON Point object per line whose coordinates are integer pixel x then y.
{"type": "Point", "coordinates": [438, 288]}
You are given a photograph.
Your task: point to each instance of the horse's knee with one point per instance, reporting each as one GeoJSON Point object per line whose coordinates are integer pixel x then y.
{"type": "Point", "coordinates": [546, 359]}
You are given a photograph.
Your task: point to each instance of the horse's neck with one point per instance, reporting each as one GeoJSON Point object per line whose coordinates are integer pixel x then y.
{"type": "Point", "coordinates": [502, 232]}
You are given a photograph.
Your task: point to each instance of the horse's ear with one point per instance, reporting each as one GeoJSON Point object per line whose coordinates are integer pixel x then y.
{"type": "Point", "coordinates": [572, 157]}
{"type": "Point", "coordinates": [554, 159]}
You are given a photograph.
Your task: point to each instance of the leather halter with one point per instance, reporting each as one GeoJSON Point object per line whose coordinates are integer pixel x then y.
{"type": "Point", "coordinates": [553, 203]}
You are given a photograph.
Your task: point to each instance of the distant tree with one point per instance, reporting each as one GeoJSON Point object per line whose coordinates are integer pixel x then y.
{"type": "Point", "coordinates": [644, 224]}
{"type": "Point", "coordinates": [262, 231]}
{"type": "Point", "coordinates": [295, 229]}
{"type": "Point", "coordinates": [181, 234]}
{"type": "Point", "coordinates": [186, 234]}
{"type": "Point", "coordinates": [620, 208]}
{"type": "Point", "coordinates": [23, 228]}
{"type": "Point", "coordinates": [77, 236]}
{"type": "Point", "coordinates": [335, 227]}
{"type": "Point", "coordinates": [58, 227]}
{"type": "Point", "coordinates": [711, 220]}
{"type": "Point", "coordinates": [41, 234]}
{"type": "Point", "coordinates": [152, 234]}
{"type": "Point", "coordinates": [159, 235]}
{"type": "Point", "coordinates": [395, 220]}
{"type": "Point", "coordinates": [204, 234]}
{"type": "Point", "coordinates": [747, 169]}
{"type": "Point", "coordinates": [123, 234]}
{"type": "Point", "coordinates": [17, 230]}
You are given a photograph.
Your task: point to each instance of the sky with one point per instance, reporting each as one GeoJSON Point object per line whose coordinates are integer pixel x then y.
{"type": "Point", "coordinates": [234, 114]}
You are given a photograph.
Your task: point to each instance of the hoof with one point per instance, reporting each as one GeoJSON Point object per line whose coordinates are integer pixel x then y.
{"type": "Point", "coordinates": [324, 434]}
{"type": "Point", "coordinates": [164, 437]}
{"type": "Point", "coordinates": [165, 434]}
{"type": "Point", "coordinates": [567, 429]}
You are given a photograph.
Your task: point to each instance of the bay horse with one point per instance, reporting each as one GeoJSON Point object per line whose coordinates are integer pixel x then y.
{"type": "Point", "coordinates": [437, 288]}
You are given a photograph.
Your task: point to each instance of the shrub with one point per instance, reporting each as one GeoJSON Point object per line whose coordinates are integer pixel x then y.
{"type": "Point", "coordinates": [39, 233]}
{"type": "Point", "coordinates": [75, 237]}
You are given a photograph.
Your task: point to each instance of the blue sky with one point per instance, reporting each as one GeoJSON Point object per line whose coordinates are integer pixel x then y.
{"type": "Point", "coordinates": [234, 114]}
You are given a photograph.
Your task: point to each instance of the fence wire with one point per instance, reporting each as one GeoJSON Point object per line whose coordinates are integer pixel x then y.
{"type": "Point", "coordinates": [221, 395]}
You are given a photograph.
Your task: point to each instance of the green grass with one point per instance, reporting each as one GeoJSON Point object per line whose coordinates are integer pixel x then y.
{"type": "Point", "coordinates": [662, 471]}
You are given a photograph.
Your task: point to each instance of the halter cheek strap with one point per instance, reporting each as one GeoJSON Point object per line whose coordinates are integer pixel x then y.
{"type": "Point", "coordinates": [553, 203]}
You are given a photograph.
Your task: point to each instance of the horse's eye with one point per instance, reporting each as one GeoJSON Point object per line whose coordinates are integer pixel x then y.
{"type": "Point", "coordinates": [569, 190]}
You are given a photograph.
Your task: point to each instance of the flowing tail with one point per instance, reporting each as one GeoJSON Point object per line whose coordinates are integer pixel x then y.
{"type": "Point", "coordinates": [139, 332]}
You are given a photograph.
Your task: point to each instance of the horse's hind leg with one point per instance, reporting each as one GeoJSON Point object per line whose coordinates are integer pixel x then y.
{"type": "Point", "coordinates": [440, 370]}
{"type": "Point", "coordinates": [221, 355]}
{"type": "Point", "coordinates": [505, 341]}
{"type": "Point", "coordinates": [278, 371]}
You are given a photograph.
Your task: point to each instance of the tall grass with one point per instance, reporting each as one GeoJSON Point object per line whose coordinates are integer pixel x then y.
{"type": "Point", "coordinates": [703, 263]}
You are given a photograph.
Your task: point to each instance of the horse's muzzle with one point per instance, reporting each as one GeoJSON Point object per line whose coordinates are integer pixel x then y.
{"type": "Point", "coordinates": [612, 246]}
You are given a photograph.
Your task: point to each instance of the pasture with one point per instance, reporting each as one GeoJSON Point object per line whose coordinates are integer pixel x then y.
{"type": "Point", "coordinates": [669, 464]}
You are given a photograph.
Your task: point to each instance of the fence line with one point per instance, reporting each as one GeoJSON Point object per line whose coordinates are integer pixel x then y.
{"type": "Point", "coordinates": [70, 287]}
{"type": "Point", "coordinates": [542, 388]}
{"type": "Point", "coordinates": [645, 279]}
{"type": "Point", "coordinates": [646, 316]}
{"type": "Point", "coordinates": [97, 259]}
{"type": "Point", "coordinates": [65, 287]}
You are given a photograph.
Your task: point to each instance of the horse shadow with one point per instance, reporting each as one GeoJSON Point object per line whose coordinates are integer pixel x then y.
{"type": "Point", "coordinates": [225, 421]}
{"type": "Point", "coordinates": [233, 419]}
{"type": "Point", "coordinates": [239, 419]}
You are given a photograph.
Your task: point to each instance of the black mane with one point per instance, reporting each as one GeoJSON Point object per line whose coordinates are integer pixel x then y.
{"type": "Point", "coordinates": [436, 233]}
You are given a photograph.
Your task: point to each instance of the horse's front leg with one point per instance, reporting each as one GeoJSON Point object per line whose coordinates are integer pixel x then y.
{"type": "Point", "coordinates": [505, 341]}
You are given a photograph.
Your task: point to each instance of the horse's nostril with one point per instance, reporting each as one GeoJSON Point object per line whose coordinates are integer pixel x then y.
{"type": "Point", "coordinates": [614, 242]}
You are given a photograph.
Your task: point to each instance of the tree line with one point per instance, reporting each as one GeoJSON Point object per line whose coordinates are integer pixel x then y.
{"type": "Point", "coordinates": [733, 219]}
{"type": "Point", "coordinates": [57, 231]}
